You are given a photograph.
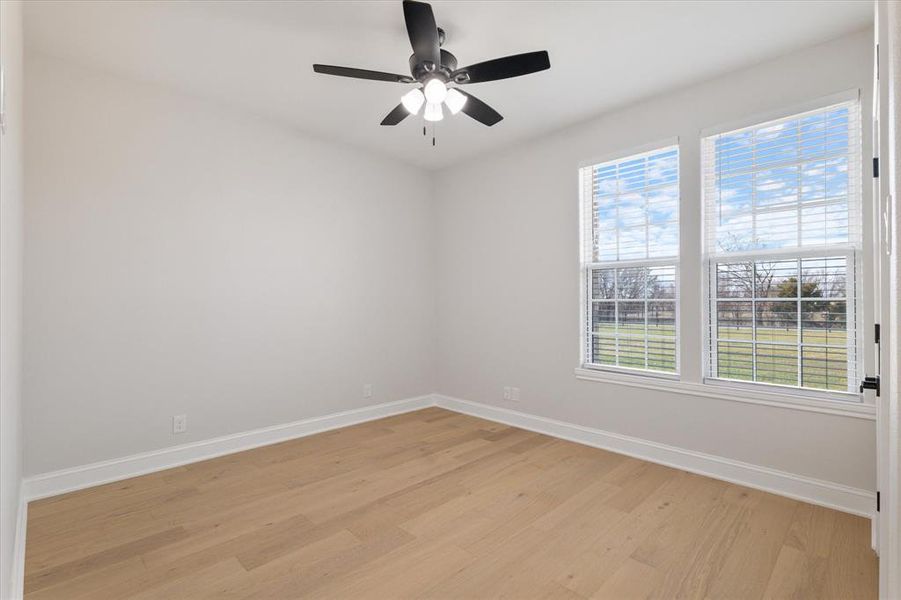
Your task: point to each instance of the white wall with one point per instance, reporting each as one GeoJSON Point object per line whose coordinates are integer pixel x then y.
{"type": "Point", "coordinates": [508, 290]}
{"type": "Point", "coordinates": [11, 199]}
{"type": "Point", "coordinates": [184, 258]}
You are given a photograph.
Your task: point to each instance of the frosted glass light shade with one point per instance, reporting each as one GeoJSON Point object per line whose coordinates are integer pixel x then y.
{"type": "Point", "coordinates": [433, 112]}
{"type": "Point", "coordinates": [413, 101]}
{"type": "Point", "coordinates": [454, 101]}
{"type": "Point", "coordinates": [435, 91]}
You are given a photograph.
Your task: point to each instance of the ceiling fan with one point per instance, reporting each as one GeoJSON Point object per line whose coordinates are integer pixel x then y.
{"type": "Point", "coordinates": [433, 68]}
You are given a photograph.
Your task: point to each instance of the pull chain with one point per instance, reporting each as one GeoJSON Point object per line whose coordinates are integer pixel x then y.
{"type": "Point", "coordinates": [425, 132]}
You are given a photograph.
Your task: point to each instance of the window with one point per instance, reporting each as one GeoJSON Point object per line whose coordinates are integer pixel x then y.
{"type": "Point", "coordinates": [630, 250]}
{"type": "Point", "coordinates": [783, 245]}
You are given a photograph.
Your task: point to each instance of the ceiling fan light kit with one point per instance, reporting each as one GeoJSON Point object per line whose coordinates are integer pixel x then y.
{"type": "Point", "coordinates": [432, 112]}
{"type": "Point", "coordinates": [413, 100]}
{"type": "Point", "coordinates": [454, 101]}
{"type": "Point", "coordinates": [433, 68]}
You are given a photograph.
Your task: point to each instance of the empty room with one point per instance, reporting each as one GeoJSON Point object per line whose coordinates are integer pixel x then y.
{"type": "Point", "coordinates": [458, 299]}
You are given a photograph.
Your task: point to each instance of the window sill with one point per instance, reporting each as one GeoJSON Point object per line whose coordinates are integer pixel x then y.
{"type": "Point", "coordinates": [723, 391]}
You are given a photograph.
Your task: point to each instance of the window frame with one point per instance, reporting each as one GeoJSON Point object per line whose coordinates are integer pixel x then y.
{"type": "Point", "coordinates": [855, 257]}
{"type": "Point", "coordinates": [586, 235]}
{"type": "Point", "coordinates": [693, 324]}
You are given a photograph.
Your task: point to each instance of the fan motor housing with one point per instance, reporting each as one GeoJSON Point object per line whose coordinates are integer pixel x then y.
{"type": "Point", "coordinates": [423, 70]}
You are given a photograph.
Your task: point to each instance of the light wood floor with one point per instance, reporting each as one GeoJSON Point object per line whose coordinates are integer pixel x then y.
{"type": "Point", "coordinates": [434, 504]}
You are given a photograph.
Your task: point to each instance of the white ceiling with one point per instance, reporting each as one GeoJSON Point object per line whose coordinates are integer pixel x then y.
{"type": "Point", "coordinates": [258, 56]}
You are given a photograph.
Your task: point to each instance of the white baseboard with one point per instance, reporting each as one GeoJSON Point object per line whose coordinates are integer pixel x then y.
{"type": "Point", "coordinates": [17, 576]}
{"type": "Point", "coordinates": [76, 478]}
{"type": "Point", "coordinates": [798, 487]}
{"type": "Point", "coordinates": [816, 491]}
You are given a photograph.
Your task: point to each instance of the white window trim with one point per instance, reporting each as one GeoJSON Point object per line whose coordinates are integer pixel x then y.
{"type": "Point", "coordinates": [627, 152]}
{"type": "Point", "coordinates": [782, 113]}
{"type": "Point", "coordinates": [734, 392]}
{"type": "Point", "coordinates": [586, 267]}
{"type": "Point", "coordinates": [815, 396]}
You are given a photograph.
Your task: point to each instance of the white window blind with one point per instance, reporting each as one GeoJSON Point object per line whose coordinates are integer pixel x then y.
{"type": "Point", "coordinates": [630, 249]}
{"type": "Point", "coordinates": [783, 239]}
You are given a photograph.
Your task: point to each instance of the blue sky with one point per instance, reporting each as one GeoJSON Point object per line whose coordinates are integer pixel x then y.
{"type": "Point", "coordinates": [637, 205]}
{"type": "Point", "coordinates": [770, 178]}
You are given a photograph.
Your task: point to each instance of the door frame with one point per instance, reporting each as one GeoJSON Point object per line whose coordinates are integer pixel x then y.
{"type": "Point", "coordinates": [887, 192]}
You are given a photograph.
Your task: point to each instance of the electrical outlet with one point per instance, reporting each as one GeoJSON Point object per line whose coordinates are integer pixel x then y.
{"type": "Point", "coordinates": [179, 423]}
{"type": "Point", "coordinates": [514, 394]}
{"type": "Point", "coordinates": [508, 393]}
{"type": "Point", "coordinates": [367, 390]}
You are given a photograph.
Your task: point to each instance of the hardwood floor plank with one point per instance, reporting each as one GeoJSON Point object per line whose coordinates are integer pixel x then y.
{"type": "Point", "coordinates": [632, 581]}
{"type": "Point", "coordinates": [36, 580]}
{"type": "Point", "coordinates": [241, 583]}
{"type": "Point", "coordinates": [619, 536]}
{"type": "Point", "coordinates": [191, 585]}
{"type": "Point", "coordinates": [850, 573]}
{"type": "Point", "coordinates": [87, 585]}
{"type": "Point", "coordinates": [403, 573]}
{"type": "Point", "coordinates": [811, 530]}
{"type": "Point", "coordinates": [746, 570]}
{"type": "Point", "coordinates": [286, 579]}
{"type": "Point", "coordinates": [796, 575]}
{"type": "Point", "coordinates": [435, 504]}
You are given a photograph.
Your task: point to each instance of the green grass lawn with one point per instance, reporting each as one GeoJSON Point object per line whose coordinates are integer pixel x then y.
{"type": "Point", "coordinates": [822, 367]}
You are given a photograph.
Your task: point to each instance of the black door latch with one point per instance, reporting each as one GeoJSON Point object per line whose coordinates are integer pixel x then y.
{"type": "Point", "coordinates": [870, 383]}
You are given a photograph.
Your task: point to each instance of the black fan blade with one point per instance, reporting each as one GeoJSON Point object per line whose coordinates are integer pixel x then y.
{"type": "Point", "coordinates": [480, 111]}
{"type": "Point", "coordinates": [503, 68]}
{"type": "Point", "coordinates": [396, 116]}
{"type": "Point", "coordinates": [423, 31]}
{"type": "Point", "coordinates": [361, 74]}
